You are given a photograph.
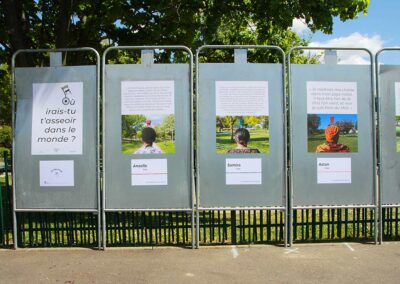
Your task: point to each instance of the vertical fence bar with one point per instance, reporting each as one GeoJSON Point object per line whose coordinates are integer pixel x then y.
{"type": "Point", "coordinates": [13, 102]}
{"type": "Point", "coordinates": [2, 236]}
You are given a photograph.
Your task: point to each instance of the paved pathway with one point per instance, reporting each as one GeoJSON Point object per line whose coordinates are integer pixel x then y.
{"type": "Point", "coordinates": [311, 263]}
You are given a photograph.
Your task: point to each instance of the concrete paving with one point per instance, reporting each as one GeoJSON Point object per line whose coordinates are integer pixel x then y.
{"type": "Point", "coordinates": [306, 263]}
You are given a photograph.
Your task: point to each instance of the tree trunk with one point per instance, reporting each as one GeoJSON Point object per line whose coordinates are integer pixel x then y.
{"type": "Point", "coordinates": [63, 23]}
{"type": "Point", "coordinates": [17, 27]}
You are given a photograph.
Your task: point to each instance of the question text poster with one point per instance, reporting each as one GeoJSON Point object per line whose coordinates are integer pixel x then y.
{"type": "Point", "coordinates": [57, 118]}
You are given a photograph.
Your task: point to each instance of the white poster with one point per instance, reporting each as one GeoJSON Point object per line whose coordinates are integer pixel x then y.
{"type": "Point", "coordinates": [149, 172]}
{"type": "Point", "coordinates": [331, 97]}
{"type": "Point", "coordinates": [397, 97]}
{"type": "Point", "coordinates": [242, 110]}
{"type": "Point", "coordinates": [57, 173]}
{"type": "Point", "coordinates": [57, 118]}
{"type": "Point", "coordinates": [243, 171]}
{"type": "Point", "coordinates": [241, 98]}
{"type": "Point", "coordinates": [147, 97]}
{"type": "Point", "coordinates": [333, 170]}
{"type": "Point", "coordinates": [147, 109]}
{"type": "Point", "coordinates": [332, 119]}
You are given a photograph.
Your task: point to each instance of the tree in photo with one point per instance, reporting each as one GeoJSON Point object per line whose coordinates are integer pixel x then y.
{"type": "Point", "coordinates": [313, 122]}
{"type": "Point", "coordinates": [257, 121]}
{"type": "Point", "coordinates": [345, 126]}
{"type": "Point", "coordinates": [252, 120]}
{"type": "Point", "coordinates": [398, 120]}
{"type": "Point", "coordinates": [220, 123]}
{"type": "Point", "coordinates": [166, 129]}
{"type": "Point", "coordinates": [230, 121]}
{"type": "Point", "coordinates": [131, 125]}
{"type": "Point", "coordinates": [265, 122]}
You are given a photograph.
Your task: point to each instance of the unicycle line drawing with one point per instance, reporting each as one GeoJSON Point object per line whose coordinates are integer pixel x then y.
{"type": "Point", "coordinates": [65, 100]}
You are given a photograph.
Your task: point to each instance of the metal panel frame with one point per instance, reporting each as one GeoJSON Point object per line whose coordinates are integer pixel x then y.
{"type": "Point", "coordinates": [374, 164]}
{"type": "Point", "coordinates": [13, 103]}
{"type": "Point", "coordinates": [285, 168]}
{"type": "Point", "coordinates": [191, 190]}
{"type": "Point", "coordinates": [378, 110]}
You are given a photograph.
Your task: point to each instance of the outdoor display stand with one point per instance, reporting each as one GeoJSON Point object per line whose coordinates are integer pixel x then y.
{"type": "Point", "coordinates": [332, 134]}
{"type": "Point", "coordinates": [147, 138]}
{"type": "Point", "coordinates": [241, 105]}
{"type": "Point", "coordinates": [55, 136]}
{"type": "Point", "coordinates": [388, 90]}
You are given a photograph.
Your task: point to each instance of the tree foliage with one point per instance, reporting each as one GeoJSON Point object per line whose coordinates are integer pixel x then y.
{"type": "Point", "coordinates": [5, 136]}
{"type": "Point", "coordinates": [131, 124]}
{"type": "Point", "coordinates": [345, 126]}
{"type": "Point", "coordinates": [219, 123]}
{"type": "Point", "coordinates": [166, 129]}
{"type": "Point", "coordinates": [313, 122]}
{"type": "Point", "coordinates": [230, 122]}
{"type": "Point", "coordinates": [5, 98]}
{"type": "Point", "coordinates": [32, 24]}
{"type": "Point", "coordinates": [99, 23]}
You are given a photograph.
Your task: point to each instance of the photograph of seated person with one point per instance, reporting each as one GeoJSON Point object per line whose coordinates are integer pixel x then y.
{"type": "Point", "coordinates": [148, 138]}
{"type": "Point", "coordinates": [242, 138]}
{"type": "Point", "coordinates": [332, 139]}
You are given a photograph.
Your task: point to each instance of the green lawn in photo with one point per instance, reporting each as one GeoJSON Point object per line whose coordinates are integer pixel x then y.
{"type": "Point", "coordinates": [259, 138]}
{"type": "Point", "coordinates": [350, 140]}
{"type": "Point", "coordinates": [168, 147]}
{"type": "Point", "coordinates": [398, 138]}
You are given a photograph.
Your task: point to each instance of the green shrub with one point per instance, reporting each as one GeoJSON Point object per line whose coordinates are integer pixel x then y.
{"type": "Point", "coordinates": [2, 149]}
{"type": "Point", "coordinates": [5, 136]}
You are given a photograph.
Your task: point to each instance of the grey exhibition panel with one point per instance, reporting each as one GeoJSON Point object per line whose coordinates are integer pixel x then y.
{"type": "Point", "coordinates": [305, 189]}
{"type": "Point", "coordinates": [119, 193]}
{"type": "Point", "coordinates": [390, 158]}
{"type": "Point", "coordinates": [28, 193]}
{"type": "Point", "coordinates": [213, 190]}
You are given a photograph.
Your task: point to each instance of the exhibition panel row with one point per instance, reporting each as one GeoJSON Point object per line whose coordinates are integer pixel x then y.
{"type": "Point", "coordinates": [147, 143]}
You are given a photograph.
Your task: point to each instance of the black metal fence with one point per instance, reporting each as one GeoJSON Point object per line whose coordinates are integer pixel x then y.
{"type": "Point", "coordinates": [217, 227]}
{"type": "Point", "coordinates": [356, 224]}
{"type": "Point", "coordinates": [5, 203]}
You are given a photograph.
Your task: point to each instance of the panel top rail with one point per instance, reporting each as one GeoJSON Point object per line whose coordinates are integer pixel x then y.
{"type": "Point", "coordinates": [53, 50]}
{"type": "Point", "coordinates": [330, 48]}
{"type": "Point", "coordinates": [146, 47]}
{"type": "Point", "coordinates": [273, 47]}
{"type": "Point", "coordinates": [379, 52]}
{"type": "Point", "coordinates": [386, 49]}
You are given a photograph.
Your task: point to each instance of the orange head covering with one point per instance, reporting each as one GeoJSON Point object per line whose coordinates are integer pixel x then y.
{"type": "Point", "coordinates": [330, 132]}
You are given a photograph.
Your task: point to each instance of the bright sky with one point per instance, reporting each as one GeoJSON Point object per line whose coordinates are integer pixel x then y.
{"type": "Point", "coordinates": [378, 29]}
{"type": "Point", "coordinates": [326, 119]}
